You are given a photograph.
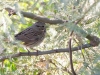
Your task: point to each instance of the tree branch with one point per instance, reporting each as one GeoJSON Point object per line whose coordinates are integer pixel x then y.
{"type": "Point", "coordinates": [70, 54]}
{"type": "Point", "coordinates": [44, 52]}
{"type": "Point", "coordinates": [35, 17]}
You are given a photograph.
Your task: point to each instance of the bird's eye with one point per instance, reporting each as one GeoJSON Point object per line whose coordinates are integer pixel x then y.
{"type": "Point", "coordinates": [42, 26]}
{"type": "Point", "coordinates": [38, 26]}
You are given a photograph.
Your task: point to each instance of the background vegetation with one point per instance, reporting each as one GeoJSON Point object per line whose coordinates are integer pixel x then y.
{"type": "Point", "coordinates": [85, 61]}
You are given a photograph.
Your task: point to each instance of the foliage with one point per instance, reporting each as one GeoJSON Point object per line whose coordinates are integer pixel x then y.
{"type": "Point", "coordinates": [86, 62]}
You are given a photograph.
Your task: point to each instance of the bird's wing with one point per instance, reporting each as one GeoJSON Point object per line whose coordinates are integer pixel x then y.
{"type": "Point", "coordinates": [27, 35]}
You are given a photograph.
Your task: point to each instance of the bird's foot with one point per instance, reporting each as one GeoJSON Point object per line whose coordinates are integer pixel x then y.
{"type": "Point", "coordinates": [29, 53]}
{"type": "Point", "coordinates": [37, 52]}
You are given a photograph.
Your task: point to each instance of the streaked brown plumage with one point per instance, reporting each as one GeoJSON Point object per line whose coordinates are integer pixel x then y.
{"type": "Point", "coordinates": [33, 35]}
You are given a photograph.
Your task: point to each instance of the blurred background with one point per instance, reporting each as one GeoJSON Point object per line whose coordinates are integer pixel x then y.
{"type": "Point", "coordinates": [85, 61]}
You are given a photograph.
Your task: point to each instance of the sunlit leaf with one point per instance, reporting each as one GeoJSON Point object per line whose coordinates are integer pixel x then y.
{"type": "Point", "coordinates": [19, 13]}
{"type": "Point", "coordinates": [76, 29]}
{"type": "Point", "coordinates": [13, 67]}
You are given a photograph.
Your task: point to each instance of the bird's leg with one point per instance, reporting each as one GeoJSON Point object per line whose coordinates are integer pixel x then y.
{"type": "Point", "coordinates": [28, 51]}
{"type": "Point", "coordinates": [36, 51]}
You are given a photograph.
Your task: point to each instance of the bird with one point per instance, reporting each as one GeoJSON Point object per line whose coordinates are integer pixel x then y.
{"type": "Point", "coordinates": [33, 35]}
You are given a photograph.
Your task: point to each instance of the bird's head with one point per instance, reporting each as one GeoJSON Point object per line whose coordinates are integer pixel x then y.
{"type": "Point", "coordinates": [39, 26]}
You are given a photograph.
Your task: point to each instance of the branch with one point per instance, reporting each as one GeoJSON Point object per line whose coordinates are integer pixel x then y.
{"type": "Point", "coordinates": [35, 17]}
{"type": "Point", "coordinates": [70, 54]}
{"type": "Point", "coordinates": [44, 52]}
{"type": "Point", "coordinates": [94, 40]}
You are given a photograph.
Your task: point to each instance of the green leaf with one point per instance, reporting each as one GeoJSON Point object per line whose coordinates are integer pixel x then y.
{"type": "Point", "coordinates": [19, 13]}
{"type": "Point", "coordinates": [34, 5]}
{"type": "Point", "coordinates": [13, 67]}
{"type": "Point", "coordinates": [7, 63]}
{"type": "Point", "coordinates": [35, 72]}
{"type": "Point", "coordinates": [76, 29]}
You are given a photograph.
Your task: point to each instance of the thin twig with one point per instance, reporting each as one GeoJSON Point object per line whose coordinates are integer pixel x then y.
{"type": "Point", "coordinates": [70, 54]}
